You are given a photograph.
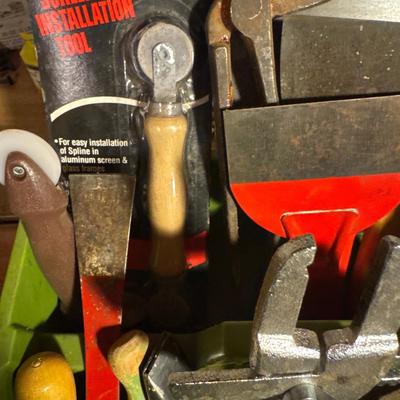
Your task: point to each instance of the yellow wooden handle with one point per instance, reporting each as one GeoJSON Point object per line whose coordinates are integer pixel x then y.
{"type": "Point", "coordinates": [167, 192]}
{"type": "Point", "coordinates": [45, 376]}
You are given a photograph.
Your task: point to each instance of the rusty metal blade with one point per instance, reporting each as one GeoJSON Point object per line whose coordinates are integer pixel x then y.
{"type": "Point", "coordinates": [102, 208]}
{"type": "Point", "coordinates": [378, 10]}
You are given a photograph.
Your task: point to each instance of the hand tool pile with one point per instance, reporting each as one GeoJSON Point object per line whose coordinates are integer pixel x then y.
{"type": "Point", "coordinates": [305, 109]}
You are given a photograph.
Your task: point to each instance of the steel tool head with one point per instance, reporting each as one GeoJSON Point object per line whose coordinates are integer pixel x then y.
{"type": "Point", "coordinates": [331, 57]}
{"type": "Point", "coordinates": [165, 54]}
{"type": "Point", "coordinates": [100, 203]}
{"type": "Point", "coordinates": [282, 7]}
{"type": "Point", "coordinates": [253, 19]}
{"type": "Point", "coordinates": [376, 10]}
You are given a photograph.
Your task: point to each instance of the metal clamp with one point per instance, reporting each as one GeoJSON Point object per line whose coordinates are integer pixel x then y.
{"type": "Point", "coordinates": [354, 359]}
{"type": "Point", "coordinates": [277, 346]}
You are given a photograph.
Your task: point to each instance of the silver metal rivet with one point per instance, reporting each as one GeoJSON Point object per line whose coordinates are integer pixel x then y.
{"type": "Point", "coordinates": [19, 172]}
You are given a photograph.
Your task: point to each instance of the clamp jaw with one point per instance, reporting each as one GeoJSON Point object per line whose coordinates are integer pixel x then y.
{"type": "Point", "coordinates": [286, 361]}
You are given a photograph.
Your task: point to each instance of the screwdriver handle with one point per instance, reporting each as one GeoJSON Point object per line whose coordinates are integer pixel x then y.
{"type": "Point", "coordinates": [45, 376]}
{"type": "Point", "coordinates": [167, 192]}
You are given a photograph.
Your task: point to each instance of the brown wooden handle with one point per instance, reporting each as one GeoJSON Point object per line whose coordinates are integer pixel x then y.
{"type": "Point", "coordinates": [45, 376]}
{"type": "Point", "coordinates": [167, 192]}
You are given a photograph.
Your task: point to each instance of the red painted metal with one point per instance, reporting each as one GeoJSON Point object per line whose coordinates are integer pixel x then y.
{"type": "Point", "coordinates": [334, 210]}
{"type": "Point", "coordinates": [102, 315]}
{"type": "Point", "coordinates": [140, 251]}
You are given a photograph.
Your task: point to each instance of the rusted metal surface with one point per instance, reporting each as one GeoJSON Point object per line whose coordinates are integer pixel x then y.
{"type": "Point", "coordinates": [326, 139]}
{"type": "Point", "coordinates": [219, 31]}
{"type": "Point", "coordinates": [102, 209]}
{"type": "Point", "coordinates": [376, 10]}
{"type": "Point", "coordinates": [336, 57]}
{"type": "Point", "coordinates": [253, 19]}
{"type": "Point", "coordinates": [283, 7]}
{"type": "Point", "coordinates": [42, 207]}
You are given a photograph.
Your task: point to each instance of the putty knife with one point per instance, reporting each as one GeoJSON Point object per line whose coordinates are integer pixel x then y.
{"type": "Point", "coordinates": [102, 210]}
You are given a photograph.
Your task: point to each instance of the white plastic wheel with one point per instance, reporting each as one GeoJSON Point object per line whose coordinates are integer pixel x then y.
{"type": "Point", "coordinates": [34, 147]}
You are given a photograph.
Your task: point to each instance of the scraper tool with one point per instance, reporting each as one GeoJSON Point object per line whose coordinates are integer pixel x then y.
{"type": "Point", "coordinates": [102, 210]}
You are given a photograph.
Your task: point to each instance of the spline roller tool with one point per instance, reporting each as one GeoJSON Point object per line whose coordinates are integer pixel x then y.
{"type": "Point", "coordinates": [165, 55]}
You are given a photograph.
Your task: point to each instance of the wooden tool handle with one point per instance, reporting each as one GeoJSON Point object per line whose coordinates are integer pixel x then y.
{"type": "Point", "coordinates": [125, 357]}
{"type": "Point", "coordinates": [45, 376]}
{"type": "Point", "coordinates": [167, 192]}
